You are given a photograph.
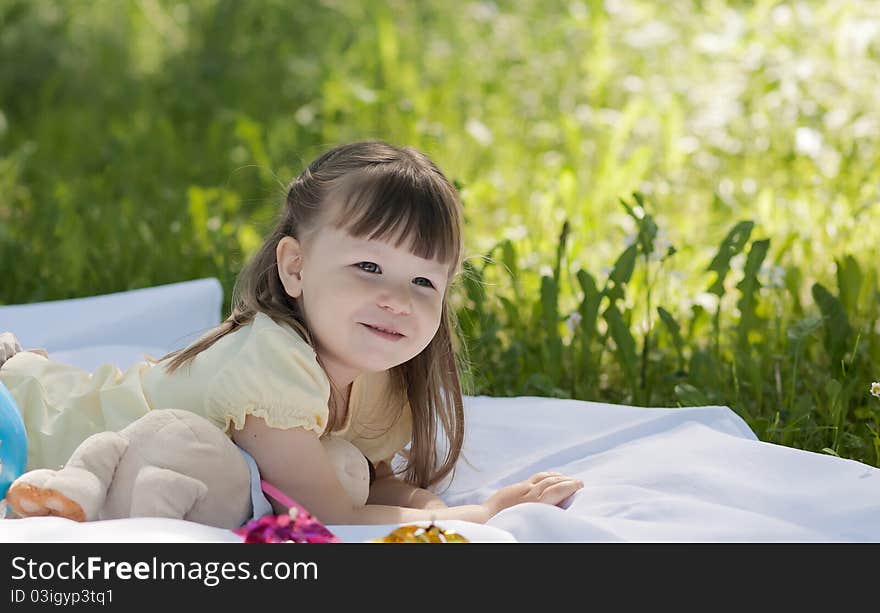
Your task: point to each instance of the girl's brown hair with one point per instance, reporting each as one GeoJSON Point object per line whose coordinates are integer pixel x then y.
{"type": "Point", "coordinates": [389, 193]}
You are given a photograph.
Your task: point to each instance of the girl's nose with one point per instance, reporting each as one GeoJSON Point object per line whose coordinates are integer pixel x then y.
{"type": "Point", "coordinates": [396, 301]}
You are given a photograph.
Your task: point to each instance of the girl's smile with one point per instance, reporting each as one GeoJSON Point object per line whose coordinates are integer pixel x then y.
{"type": "Point", "coordinates": [384, 332]}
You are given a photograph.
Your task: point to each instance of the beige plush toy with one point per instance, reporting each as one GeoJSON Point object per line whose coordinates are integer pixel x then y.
{"type": "Point", "coordinates": [169, 463]}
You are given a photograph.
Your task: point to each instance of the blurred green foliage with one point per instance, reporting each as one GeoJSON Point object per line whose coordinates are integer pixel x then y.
{"type": "Point", "coordinates": [149, 142]}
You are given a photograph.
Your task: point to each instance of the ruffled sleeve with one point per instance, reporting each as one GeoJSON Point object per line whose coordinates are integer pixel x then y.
{"type": "Point", "coordinates": [276, 376]}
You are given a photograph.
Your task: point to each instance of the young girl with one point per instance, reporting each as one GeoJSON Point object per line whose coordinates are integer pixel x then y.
{"type": "Point", "coordinates": [340, 328]}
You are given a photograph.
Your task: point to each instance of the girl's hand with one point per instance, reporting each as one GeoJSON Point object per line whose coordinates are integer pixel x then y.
{"type": "Point", "coordinates": [9, 346]}
{"type": "Point", "coordinates": [547, 487]}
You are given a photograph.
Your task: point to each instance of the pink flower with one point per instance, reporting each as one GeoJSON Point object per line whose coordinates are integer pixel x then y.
{"type": "Point", "coordinates": [299, 526]}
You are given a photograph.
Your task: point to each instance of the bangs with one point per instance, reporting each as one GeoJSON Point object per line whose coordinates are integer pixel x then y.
{"type": "Point", "coordinates": [392, 204]}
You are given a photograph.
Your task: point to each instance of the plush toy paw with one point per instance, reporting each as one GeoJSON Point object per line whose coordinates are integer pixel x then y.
{"type": "Point", "coordinates": [352, 468]}
{"type": "Point", "coordinates": [28, 498]}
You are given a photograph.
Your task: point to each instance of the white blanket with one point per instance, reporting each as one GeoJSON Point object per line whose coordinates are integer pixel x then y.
{"type": "Point", "coordinates": [650, 474]}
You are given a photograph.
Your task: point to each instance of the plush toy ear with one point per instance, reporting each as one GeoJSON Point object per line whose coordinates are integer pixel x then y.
{"type": "Point", "coordinates": [13, 442]}
{"type": "Point", "coordinates": [351, 466]}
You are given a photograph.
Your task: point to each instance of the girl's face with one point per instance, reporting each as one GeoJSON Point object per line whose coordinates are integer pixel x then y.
{"type": "Point", "coordinates": [352, 289]}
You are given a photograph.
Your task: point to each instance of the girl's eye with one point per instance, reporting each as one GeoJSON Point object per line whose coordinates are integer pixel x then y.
{"type": "Point", "coordinates": [426, 284]}
{"type": "Point", "coordinates": [369, 267]}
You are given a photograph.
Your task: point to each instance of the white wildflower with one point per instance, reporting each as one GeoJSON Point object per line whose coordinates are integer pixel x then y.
{"type": "Point", "coordinates": [573, 320]}
{"type": "Point", "coordinates": [808, 142]}
{"type": "Point", "coordinates": [688, 144]}
{"type": "Point", "coordinates": [836, 119]}
{"type": "Point", "coordinates": [707, 300]}
{"type": "Point", "coordinates": [633, 84]}
{"type": "Point", "coordinates": [726, 188]}
{"type": "Point", "coordinates": [516, 233]}
{"type": "Point", "coordinates": [304, 115]}
{"type": "Point", "coordinates": [364, 94]}
{"type": "Point", "coordinates": [478, 130]}
{"type": "Point", "coordinates": [738, 262]}
{"type": "Point", "coordinates": [875, 389]}
{"type": "Point", "coordinates": [781, 15]}
{"type": "Point", "coordinates": [774, 276]}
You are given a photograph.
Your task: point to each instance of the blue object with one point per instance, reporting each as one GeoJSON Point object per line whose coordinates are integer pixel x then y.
{"type": "Point", "coordinates": [13, 442]}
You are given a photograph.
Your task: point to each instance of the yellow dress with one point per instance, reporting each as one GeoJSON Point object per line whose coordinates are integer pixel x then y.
{"type": "Point", "coordinates": [264, 369]}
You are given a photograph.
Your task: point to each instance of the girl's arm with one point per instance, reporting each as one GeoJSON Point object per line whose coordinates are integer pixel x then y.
{"type": "Point", "coordinates": [389, 490]}
{"type": "Point", "coordinates": [295, 462]}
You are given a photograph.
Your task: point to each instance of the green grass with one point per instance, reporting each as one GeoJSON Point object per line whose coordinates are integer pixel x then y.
{"type": "Point", "coordinates": [799, 375]}
{"type": "Point", "coordinates": [145, 143]}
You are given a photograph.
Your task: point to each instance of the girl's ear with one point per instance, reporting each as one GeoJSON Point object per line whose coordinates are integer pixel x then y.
{"type": "Point", "coordinates": [289, 254]}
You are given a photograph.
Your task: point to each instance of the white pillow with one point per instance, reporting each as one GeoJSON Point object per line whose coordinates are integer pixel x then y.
{"type": "Point", "coordinates": [117, 327]}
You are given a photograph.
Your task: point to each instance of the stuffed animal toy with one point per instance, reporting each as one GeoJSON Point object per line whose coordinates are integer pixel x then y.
{"type": "Point", "coordinates": [169, 463]}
